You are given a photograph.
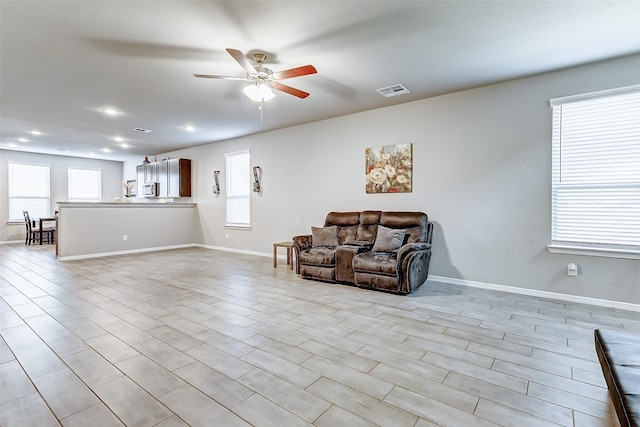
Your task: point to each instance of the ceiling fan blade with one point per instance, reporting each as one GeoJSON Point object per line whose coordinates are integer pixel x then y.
{"type": "Point", "coordinates": [209, 76]}
{"type": "Point", "coordinates": [242, 60]}
{"type": "Point", "coordinates": [290, 90]}
{"type": "Point", "coordinates": [295, 72]}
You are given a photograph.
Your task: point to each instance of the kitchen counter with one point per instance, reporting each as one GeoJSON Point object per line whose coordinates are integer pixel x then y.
{"type": "Point", "coordinates": [124, 204]}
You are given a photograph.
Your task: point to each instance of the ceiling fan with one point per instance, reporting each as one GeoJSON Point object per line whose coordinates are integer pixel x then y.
{"type": "Point", "coordinates": [262, 78]}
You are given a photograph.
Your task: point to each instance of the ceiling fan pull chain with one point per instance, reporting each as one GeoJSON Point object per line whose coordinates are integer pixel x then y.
{"type": "Point", "coordinates": [260, 108]}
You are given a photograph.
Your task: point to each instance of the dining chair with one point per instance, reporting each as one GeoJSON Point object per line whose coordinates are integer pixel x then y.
{"type": "Point", "coordinates": [33, 230]}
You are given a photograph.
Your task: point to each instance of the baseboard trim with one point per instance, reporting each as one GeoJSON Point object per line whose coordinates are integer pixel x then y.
{"type": "Point", "coordinates": [8, 242]}
{"type": "Point", "coordinates": [238, 251]}
{"type": "Point", "coordinates": [535, 293]}
{"type": "Point", "coordinates": [127, 252]}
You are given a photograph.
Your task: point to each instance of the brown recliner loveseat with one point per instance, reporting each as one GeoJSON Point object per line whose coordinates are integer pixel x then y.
{"type": "Point", "coordinates": [387, 251]}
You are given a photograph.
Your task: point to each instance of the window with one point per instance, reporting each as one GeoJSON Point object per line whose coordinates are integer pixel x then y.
{"type": "Point", "coordinates": [28, 191]}
{"type": "Point", "coordinates": [84, 185]}
{"type": "Point", "coordinates": [238, 193]}
{"type": "Point", "coordinates": [596, 173]}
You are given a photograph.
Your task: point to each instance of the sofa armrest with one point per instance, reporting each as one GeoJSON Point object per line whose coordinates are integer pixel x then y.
{"type": "Point", "coordinates": [300, 243]}
{"type": "Point", "coordinates": [413, 265]}
{"type": "Point", "coordinates": [411, 248]}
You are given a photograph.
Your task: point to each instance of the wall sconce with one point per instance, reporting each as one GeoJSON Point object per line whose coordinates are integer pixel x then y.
{"type": "Point", "coordinates": [257, 176]}
{"type": "Point", "coordinates": [216, 186]}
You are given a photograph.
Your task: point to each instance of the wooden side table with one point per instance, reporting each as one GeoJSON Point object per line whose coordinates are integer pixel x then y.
{"type": "Point", "coordinates": [289, 247]}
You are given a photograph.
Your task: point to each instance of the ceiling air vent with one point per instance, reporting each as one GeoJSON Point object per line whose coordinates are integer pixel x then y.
{"type": "Point", "coordinates": [143, 130]}
{"type": "Point", "coordinates": [394, 90]}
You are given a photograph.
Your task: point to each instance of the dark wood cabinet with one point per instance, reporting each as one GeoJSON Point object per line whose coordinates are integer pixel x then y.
{"type": "Point", "coordinates": [179, 178]}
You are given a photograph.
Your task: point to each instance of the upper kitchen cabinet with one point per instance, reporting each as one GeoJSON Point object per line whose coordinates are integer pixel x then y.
{"type": "Point", "coordinates": [150, 173]}
{"type": "Point", "coordinates": [163, 181]}
{"type": "Point", "coordinates": [172, 178]}
{"type": "Point", "coordinates": [179, 178]}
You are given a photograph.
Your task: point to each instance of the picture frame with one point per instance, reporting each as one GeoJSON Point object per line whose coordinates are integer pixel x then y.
{"type": "Point", "coordinates": [389, 169]}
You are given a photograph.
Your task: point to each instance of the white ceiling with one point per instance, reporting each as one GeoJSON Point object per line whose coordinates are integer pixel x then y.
{"type": "Point", "coordinates": [61, 62]}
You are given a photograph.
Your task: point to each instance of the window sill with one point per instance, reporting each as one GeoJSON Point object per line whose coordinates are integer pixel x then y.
{"type": "Point", "coordinates": [237, 227]}
{"type": "Point", "coordinates": [592, 251]}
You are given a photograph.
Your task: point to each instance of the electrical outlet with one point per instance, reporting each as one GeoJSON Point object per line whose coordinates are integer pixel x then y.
{"type": "Point", "coordinates": [124, 237]}
{"type": "Point", "coordinates": [572, 269]}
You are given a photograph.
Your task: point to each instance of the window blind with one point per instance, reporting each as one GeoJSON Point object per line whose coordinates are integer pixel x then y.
{"type": "Point", "coordinates": [238, 193]}
{"type": "Point", "coordinates": [596, 170]}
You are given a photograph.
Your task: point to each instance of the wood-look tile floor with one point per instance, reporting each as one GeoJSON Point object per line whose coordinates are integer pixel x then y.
{"type": "Point", "coordinates": [208, 338]}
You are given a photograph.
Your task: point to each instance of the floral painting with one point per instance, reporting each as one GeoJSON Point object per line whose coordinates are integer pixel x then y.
{"type": "Point", "coordinates": [389, 168]}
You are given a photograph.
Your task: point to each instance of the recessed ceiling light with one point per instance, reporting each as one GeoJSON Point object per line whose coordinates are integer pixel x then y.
{"type": "Point", "coordinates": [110, 111]}
{"type": "Point", "coordinates": [190, 128]}
{"type": "Point", "coordinates": [23, 140]}
{"type": "Point", "coordinates": [92, 154]}
{"type": "Point", "coordinates": [118, 138]}
{"type": "Point", "coordinates": [13, 144]}
{"type": "Point", "coordinates": [35, 132]}
{"type": "Point", "coordinates": [123, 145]}
{"type": "Point", "coordinates": [106, 150]}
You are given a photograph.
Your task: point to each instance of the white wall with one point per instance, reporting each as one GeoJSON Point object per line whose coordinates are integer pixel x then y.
{"type": "Point", "coordinates": [111, 174]}
{"type": "Point", "coordinates": [481, 171]}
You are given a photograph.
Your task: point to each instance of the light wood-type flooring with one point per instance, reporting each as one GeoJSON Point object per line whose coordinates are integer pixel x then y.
{"type": "Point", "coordinates": [209, 338]}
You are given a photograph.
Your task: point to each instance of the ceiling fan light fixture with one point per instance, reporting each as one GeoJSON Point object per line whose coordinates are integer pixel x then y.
{"type": "Point", "coordinates": [259, 92]}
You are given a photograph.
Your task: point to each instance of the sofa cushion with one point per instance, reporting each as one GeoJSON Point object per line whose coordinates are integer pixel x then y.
{"type": "Point", "coordinates": [347, 234]}
{"type": "Point", "coordinates": [368, 226]}
{"type": "Point", "coordinates": [404, 219]}
{"type": "Point", "coordinates": [342, 218]}
{"type": "Point", "coordinates": [376, 262]}
{"type": "Point", "coordinates": [388, 239]}
{"type": "Point", "coordinates": [318, 256]}
{"type": "Point", "coordinates": [324, 236]}
{"type": "Point", "coordinates": [347, 223]}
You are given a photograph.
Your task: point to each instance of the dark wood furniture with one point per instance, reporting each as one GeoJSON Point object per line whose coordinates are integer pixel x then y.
{"type": "Point", "coordinates": [36, 229]}
{"type": "Point", "coordinates": [619, 355]}
{"type": "Point", "coordinates": [49, 230]}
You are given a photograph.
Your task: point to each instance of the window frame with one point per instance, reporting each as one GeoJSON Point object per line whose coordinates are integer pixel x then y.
{"type": "Point", "coordinates": [11, 198]}
{"type": "Point", "coordinates": [610, 250]}
{"type": "Point", "coordinates": [83, 199]}
{"type": "Point", "coordinates": [238, 189]}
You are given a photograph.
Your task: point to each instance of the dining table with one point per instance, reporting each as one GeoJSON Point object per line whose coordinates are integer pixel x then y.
{"type": "Point", "coordinates": [42, 220]}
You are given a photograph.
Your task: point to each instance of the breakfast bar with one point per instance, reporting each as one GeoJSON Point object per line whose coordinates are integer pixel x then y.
{"type": "Point", "coordinates": [87, 230]}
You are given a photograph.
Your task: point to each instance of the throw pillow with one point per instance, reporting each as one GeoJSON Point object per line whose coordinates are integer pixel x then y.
{"type": "Point", "coordinates": [324, 236]}
{"type": "Point", "coordinates": [388, 239]}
